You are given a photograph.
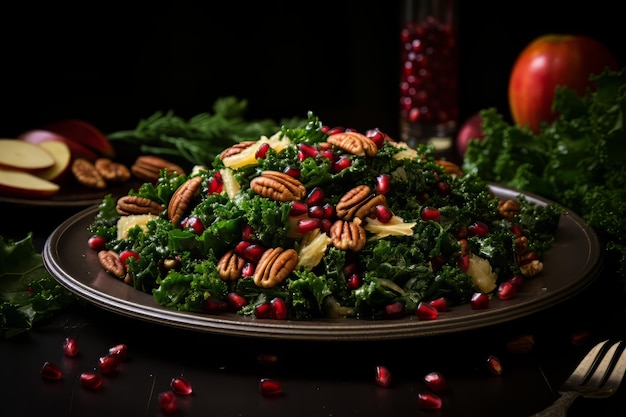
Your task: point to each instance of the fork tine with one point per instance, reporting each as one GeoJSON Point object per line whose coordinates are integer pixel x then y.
{"type": "Point", "coordinates": [615, 379]}
{"type": "Point", "coordinates": [586, 365]}
{"type": "Point", "coordinates": [602, 369]}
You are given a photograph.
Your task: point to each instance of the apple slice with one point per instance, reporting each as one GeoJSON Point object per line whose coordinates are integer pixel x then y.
{"type": "Point", "coordinates": [84, 133]}
{"type": "Point", "coordinates": [19, 155]}
{"type": "Point", "coordinates": [25, 184]}
{"type": "Point", "coordinates": [38, 136]}
{"type": "Point", "coordinates": [62, 159]}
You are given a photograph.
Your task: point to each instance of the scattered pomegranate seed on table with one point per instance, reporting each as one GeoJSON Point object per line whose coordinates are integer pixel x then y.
{"type": "Point", "coordinates": [70, 347]}
{"type": "Point", "coordinates": [168, 402]}
{"type": "Point", "coordinates": [108, 364]}
{"type": "Point", "coordinates": [435, 381]}
{"type": "Point", "coordinates": [181, 386]}
{"type": "Point", "coordinates": [493, 365]}
{"type": "Point", "coordinates": [428, 401]}
{"type": "Point", "coordinates": [119, 351]}
{"type": "Point", "coordinates": [51, 371]}
{"type": "Point", "coordinates": [383, 376]}
{"type": "Point", "coordinates": [269, 387]}
{"type": "Point", "coordinates": [91, 380]}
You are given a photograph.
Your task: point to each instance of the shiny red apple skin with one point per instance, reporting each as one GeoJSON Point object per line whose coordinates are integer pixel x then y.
{"type": "Point", "coordinates": [547, 62]}
{"type": "Point", "coordinates": [472, 128]}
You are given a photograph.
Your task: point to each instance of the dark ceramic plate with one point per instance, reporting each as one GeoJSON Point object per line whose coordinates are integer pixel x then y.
{"type": "Point", "coordinates": [570, 266]}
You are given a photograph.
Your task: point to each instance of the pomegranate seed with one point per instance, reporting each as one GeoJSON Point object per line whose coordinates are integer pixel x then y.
{"type": "Point", "coordinates": [383, 213]}
{"type": "Point", "coordinates": [507, 290]}
{"type": "Point", "coordinates": [580, 337]}
{"type": "Point", "coordinates": [119, 351]}
{"type": "Point", "coordinates": [108, 364]}
{"type": "Point", "coordinates": [50, 371]}
{"type": "Point", "coordinates": [527, 258]}
{"type": "Point", "coordinates": [349, 268]}
{"type": "Point", "coordinates": [194, 223]}
{"type": "Point", "coordinates": [478, 228]}
{"type": "Point", "coordinates": [293, 172]}
{"type": "Point", "coordinates": [441, 304]}
{"type": "Point", "coordinates": [308, 151]}
{"type": "Point", "coordinates": [236, 301]}
{"type": "Point", "coordinates": [463, 263]}
{"type": "Point", "coordinates": [240, 248]}
{"type": "Point", "coordinates": [216, 184]}
{"type": "Point", "coordinates": [126, 254]}
{"type": "Point", "coordinates": [248, 270]}
{"type": "Point", "coordinates": [383, 183]}
{"type": "Point", "coordinates": [181, 386]}
{"type": "Point", "coordinates": [430, 213]}
{"type": "Point", "coordinates": [329, 211]}
{"type": "Point", "coordinates": [426, 311]}
{"type": "Point", "coordinates": [383, 376]}
{"type": "Point", "coordinates": [521, 344]}
{"type": "Point", "coordinates": [427, 401]}
{"type": "Point", "coordinates": [261, 152]}
{"type": "Point", "coordinates": [343, 162]}
{"type": "Point", "coordinates": [253, 252]}
{"type": "Point", "coordinates": [328, 154]}
{"type": "Point", "coordinates": [96, 243]}
{"type": "Point", "coordinates": [518, 280]}
{"type": "Point", "coordinates": [270, 388]}
{"type": "Point", "coordinates": [316, 212]}
{"type": "Point", "coordinates": [90, 380]}
{"type": "Point", "coordinates": [213, 305]}
{"type": "Point", "coordinates": [315, 197]}
{"type": "Point", "coordinates": [479, 301]}
{"type": "Point", "coordinates": [247, 233]}
{"type": "Point", "coordinates": [442, 188]}
{"type": "Point", "coordinates": [394, 310]}
{"type": "Point", "coordinates": [298, 208]}
{"type": "Point", "coordinates": [335, 130]}
{"type": "Point", "coordinates": [437, 262]}
{"type": "Point", "coordinates": [516, 229]}
{"type": "Point", "coordinates": [435, 381]}
{"type": "Point", "coordinates": [493, 365]}
{"type": "Point", "coordinates": [267, 358]}
{"type": "Point", "coordinates": [308, 224]}
{"type": "Point", "coordinates": [263, 311]}
{"type": "Point", "coordinates": [168, 402]}
{"type": "Point", "coordinates": [354, 281]}
{"type": "Point", "coordinates": [376, 136]}
{"type": "Point", "coordinates": [70, 347]}
{"type": "Point", "coordinates": [279, 308]}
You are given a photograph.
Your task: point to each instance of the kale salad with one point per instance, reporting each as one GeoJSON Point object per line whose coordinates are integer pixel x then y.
{"type": "Point", "coordinates": [317, 222]}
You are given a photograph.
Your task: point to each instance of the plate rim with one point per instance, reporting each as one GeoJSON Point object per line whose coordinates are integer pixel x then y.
{"type": "Point", "coordinates": [142, 306]}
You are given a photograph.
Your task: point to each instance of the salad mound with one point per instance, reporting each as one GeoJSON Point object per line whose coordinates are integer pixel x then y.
{"type": "Point", "coordinates": [313, 222]}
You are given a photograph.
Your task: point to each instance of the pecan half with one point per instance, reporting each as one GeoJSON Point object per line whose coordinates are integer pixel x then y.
{"type": "Point", "coordinates": [450, 167]}
{"type": "Point", "coordinates": [132, 204]}
{"type": "Point", "coordinates": [111, 262]}
{"type": "Point", "coordinates": [112, 171]}
{"type": "Point", "coordinates": [230, 266]}
{"type": "Point", "coordinates": [509, 209]}
{"type": "Point", "coordinates": [359, 202]}
{"type": "Point", "coordinates": [182, 198]}
{"type": "Point", "coordinates": [274, 266]}
{"type": "Point", "coordinates": [86, 173]}
{"type": "Point", "coordinates": [348, 235]}
{"type": "Point", "coordinates": [149, 167]}
{"type": "Point", "coordinates": [278, 186]}
{"type": "Point", "coordinates": [235, 149]}
{"type": "Point", "coordinates": [354, 143]}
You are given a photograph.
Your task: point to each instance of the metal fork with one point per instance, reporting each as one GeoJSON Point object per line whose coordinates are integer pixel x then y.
{"type": "Point", "coordinates": [598, 375]}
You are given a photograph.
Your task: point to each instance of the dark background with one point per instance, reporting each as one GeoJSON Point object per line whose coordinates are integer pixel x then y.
{"type": "Point", "coordinates": [113, 63]}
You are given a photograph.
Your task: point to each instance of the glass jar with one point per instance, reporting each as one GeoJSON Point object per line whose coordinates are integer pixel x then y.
{"type": "Point", "coordinates": [429, 104]}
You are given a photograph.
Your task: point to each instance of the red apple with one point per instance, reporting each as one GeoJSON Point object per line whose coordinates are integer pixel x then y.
{"type": "Point", "coordinates": [547, 62]}
{"type": "Point", "coordinates": [470, 129]}
{"type": "Point", "coordinates": [23, 184]}
{"type": "Point", "coordinates": [62, 158]}
{"type": "Point", "coordinates": [23, 156]}
{"type": "Point", "coordinates": [84, 133]}
{"type": "Point", "coordinates": [38, 136]}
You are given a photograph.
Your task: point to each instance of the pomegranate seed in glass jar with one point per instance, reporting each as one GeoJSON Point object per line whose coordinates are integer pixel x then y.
{"type": "Point", "coordinates": [181, 386]}
{"type": "Point", "coordinates": [269, 387]}
{"type": "Point", "coordinates": [435, 381]}
{"type": "Point", "coordinates": [70, 347]}
{"type": "Point", "coordinates": [383, 376]}
{"type": "Point", "coordinates": [90, 380]}
{"type": "Point", "coordinates": [168, 402]}
{"type": "Point", "coordinates": [50, 371]}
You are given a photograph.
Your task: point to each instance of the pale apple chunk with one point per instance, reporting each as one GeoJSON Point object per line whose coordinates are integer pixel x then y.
{"type": "Point", "coordinates": [62, 157]}
{"type": "Point", "coordinates": [24, 184]}
{"type": "Point", "coordinates": [24, 156]}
